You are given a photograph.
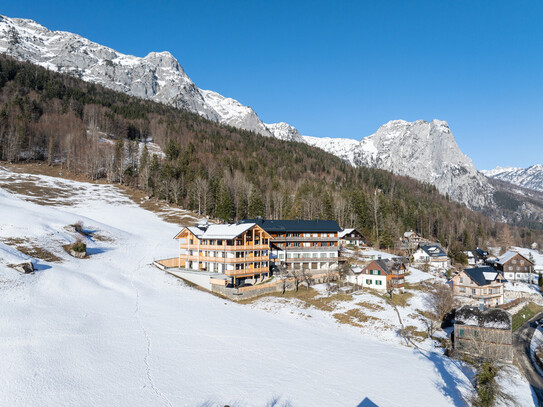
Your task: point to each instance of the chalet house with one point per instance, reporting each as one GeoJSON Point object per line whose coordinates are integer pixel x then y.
{"type": "Point", "coordinates": [382, 275]}
{"type": "Point", "coordinates": [311, 244]}
{"type": "Point", "coordinates": [515, 267]}
{"type": "Point", "coordinates": [351, 237]}
{"type": "Point", "coordinates": [238, 251]}
{"type": "Point", "coordinates": [433, 254]}
{"type": "Point", "coordinates": [483, 284]}
{"type": "Point", "coordinates": [477, 257]}
{"type": "Point", "coordinates": [484, 333]}
{"type": "Point", "coordinates": [411, 240]}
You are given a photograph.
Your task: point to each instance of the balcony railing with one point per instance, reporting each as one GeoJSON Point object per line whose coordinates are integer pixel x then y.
{"type": "Point", "coordinates": [227, 260]}
{"type": "Point", "coordinates": [247, 272]}
{"type": "Point", "coordinates": [304, 239]}
{"type": "Point", "coordinates": [309, 249]}
{"type": "Point", "coordinates": [229, 248]}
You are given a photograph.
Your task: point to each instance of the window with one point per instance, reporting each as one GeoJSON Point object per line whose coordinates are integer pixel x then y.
{"type": "Point", "coordinates": [461, 280]}
{"type": "Point", "coordinates": [462, 289]}
{"type": "Point", "coordinates": [378, 282]}
{"type": "Point", "coordinates": [473, 291]}
{"type": "Point", "coordinates": [461, 332]}
{"type": "Point", "coordinates": [368, 282]}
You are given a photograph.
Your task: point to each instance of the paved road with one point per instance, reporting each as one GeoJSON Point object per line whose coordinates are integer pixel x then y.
{"type": "Point", "coordinates": [521, 345]}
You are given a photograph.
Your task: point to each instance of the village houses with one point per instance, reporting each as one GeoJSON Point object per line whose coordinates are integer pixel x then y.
{"type": "Point", "coordinates": [515, 267]}
{"type": "Point", "coordinates": [482, 284]}
{"type": "Point", "coordinates": [433, 254]}
{"type": "Point", "coordinates": [381, 275]}
{"type": "Point", "coordinates": [483, 332]}
{"type": "Point", "coordinates": [351, 237]}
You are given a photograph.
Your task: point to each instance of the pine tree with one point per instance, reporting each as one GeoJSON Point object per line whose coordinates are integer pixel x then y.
{"type": "Point", "coordinates": [256, 206]}
{"type": "Point", "coordinates": [224, 208]}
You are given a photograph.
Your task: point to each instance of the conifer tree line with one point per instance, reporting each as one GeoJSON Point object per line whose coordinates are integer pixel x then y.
{"type": "Point", "coordinates": [220, 171]}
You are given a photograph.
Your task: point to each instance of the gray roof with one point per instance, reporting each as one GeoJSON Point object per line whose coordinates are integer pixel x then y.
{"type": "Point", "coordinates": [483, 275]}
{"type": "Point", "coordinates": [297, 225]}
{"type": "Point", "coordinates": [433, 250]}
{"type": "Point", "coordinates": [493, 318]}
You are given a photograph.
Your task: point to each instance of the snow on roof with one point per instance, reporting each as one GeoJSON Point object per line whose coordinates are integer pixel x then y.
{"type": "Point", "coordinates": [409, 234]}
{"type": "Point", "coordinates": [433, 250]}
{"type": "Point", "coordinates": [345, 232]}
{"type": "Point", "coordinates": [356, 270]}
{"type": "Point", "coordinates": [504, 258]}
{"type": "Point", "coordinates": [490, 276]}
{"type": "Point", "coordinates": [488, 318]}
{"type": "Point", "coordinates": [196, 231]}
{"type": "Point", "coordinates": [229, 231]}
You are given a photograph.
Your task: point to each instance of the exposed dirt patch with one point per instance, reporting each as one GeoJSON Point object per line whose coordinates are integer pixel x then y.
{"type": "Point", "coordinates": [32, 249]}
{"type": "Point", "coordinates": [371, 306]}
{"type": "Point", "coordinates": [354, 317]}
{"type": "Point", "coordinates": [415, 334]}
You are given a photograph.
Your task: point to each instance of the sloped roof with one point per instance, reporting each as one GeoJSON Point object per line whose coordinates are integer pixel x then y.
{"type": "Point", "coordinates": [345, 232]}
{"type": "Point", "coordinates": [504, 258]}
{"type": "Point", "coordinates": [387, 265]}
{"type": "Point", "coordinates": [228, 231]}
{"type": "Point", "coordinates": [409, 234]}
{"type": "Point", "coordinates": [433, 250]}
{"type": "Point", "coordinates": [297, 225]}
{"type": "Point", "coordinates": [494, 318]}
{"type": "Point", "coordinates": [483, 275]}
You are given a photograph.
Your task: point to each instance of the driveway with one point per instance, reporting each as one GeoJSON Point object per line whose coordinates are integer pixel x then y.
{"type": "Point", "coordinates": [521, 345]}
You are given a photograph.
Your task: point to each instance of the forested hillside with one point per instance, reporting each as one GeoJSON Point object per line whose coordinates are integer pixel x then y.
{"type": "Point", "coordinates": [216, 170]}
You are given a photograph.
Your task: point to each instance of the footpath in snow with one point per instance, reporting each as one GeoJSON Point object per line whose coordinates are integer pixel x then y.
{"type": "Point", "coordinates": [113, 330]}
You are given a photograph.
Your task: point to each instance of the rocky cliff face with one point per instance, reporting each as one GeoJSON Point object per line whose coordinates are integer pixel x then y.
{"type": "Point", "coordinates": [158, 76]}
{"type": "Point", "coordinates": [422, 150]}
{"type": "Point", "coordinates": [530, 178]}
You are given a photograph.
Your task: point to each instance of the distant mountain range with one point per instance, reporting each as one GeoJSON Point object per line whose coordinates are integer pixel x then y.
{"type": "Point", "coordinates": [531, 177]}
{"type": "Point", "coordinates": [423, 150]}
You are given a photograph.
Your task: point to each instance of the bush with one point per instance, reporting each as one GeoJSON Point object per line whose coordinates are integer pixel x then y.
{"type": "Point", "coordinates": [79, 247]}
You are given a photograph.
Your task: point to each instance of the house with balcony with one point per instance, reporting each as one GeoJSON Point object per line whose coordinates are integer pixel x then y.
{"type": "Point", "coordinates": [238, 252]}
{"type": "Point", "coordinates": [483, 333]}
{"type": "Point", "coordinates": [297, 244]}
{"type": "Point", "coordinates": [351, 237]}
{"type": "Point", "coordinates": [381, 275]}
{"type": "Point", "coordinates": [433, 254]}
{"type": "Point", "coordinates": [515, 267]}
{"type": "Point", "coordinates": [482, 284]}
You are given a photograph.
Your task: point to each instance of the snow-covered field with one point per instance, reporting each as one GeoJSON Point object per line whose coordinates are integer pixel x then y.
{"type": "Point", "coordinates": [112, 330]}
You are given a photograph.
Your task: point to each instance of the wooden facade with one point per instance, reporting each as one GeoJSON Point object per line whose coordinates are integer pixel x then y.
{"type": "Point", "coordinates": [245, 255]}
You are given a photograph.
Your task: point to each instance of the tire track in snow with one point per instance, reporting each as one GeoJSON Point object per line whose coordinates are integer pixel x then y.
{"type": "Point", "coordinates": [149, 344]}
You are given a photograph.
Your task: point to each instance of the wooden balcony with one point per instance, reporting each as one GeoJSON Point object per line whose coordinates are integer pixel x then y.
{"type": "Point", "coordinates": [227, 248]}
{"type": "Point", "coordinates": [309, 249]}
{"type": "Point", "coordinates": [305, 239]}
{"type": "Point", "coordinates": [225, 260]}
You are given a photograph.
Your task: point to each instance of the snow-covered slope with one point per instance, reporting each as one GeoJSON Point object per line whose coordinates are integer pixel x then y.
{"type": "Point", "coordinates": [113, 330]}
{"type": "Point", "coordinates": [531, 177]}
{"type": "Point", "coordinates": [158, 76]}
{"type": "Point", "coordinates": [285, 131]}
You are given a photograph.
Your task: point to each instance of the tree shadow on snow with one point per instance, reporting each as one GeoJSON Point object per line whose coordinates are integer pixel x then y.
{"type": "Point", "coordinates": [96, 250]}
{"type": "Point", "coordinates": [41, 267]}
{"type": "Point", "coordinates": [450, 388]}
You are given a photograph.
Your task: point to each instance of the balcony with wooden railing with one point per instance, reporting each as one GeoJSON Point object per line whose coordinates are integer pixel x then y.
{"type": "Point", "coordinates": [225, 260]}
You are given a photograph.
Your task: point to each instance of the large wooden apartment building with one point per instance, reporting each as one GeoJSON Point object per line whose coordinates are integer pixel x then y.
{"type": "Point", "coordinates": [239, 251]}
{"type": "Point", "coordinates": [311, 244]}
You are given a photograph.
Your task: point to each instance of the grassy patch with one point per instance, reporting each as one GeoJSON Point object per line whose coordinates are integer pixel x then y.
{"type": "Point", "coordinates": [308, 297]}
{"type": "Point", "coordinates": [30, 249]}
{"type": "Point", "coordinates": [527, 312]}
{"type": "Point", "coordinates": [370, 305]}
{"type": "Point", "coordinates": [400, 300]}
{"type": "Point", "coordinates": [354, 317]}
{"type": "Point", "coordinates": [415, 334]}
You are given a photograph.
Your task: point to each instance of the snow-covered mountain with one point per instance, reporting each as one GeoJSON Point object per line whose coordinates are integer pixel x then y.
{"type": "Point", "coordinates": [531, 177]}
{"type": "Point", "coordinates": [425, 151]}
{"type": "Point", "coordinates": [158, 76]}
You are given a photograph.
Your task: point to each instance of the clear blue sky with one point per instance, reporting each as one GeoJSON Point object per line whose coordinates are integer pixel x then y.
{"type": "Point", "coordinates": [343, 68]}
